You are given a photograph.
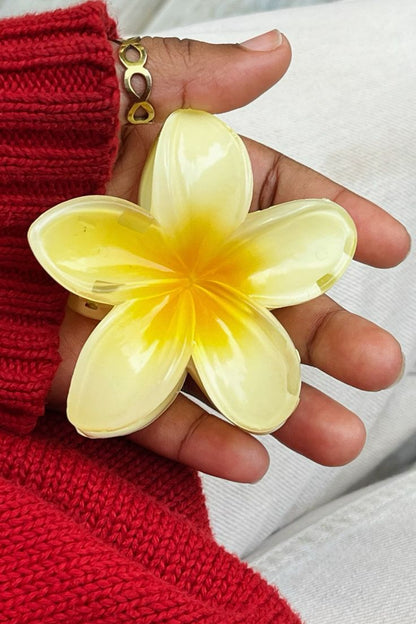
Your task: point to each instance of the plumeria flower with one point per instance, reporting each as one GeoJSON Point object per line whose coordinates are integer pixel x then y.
{"type": "Point", "coordinates": [191, 276]}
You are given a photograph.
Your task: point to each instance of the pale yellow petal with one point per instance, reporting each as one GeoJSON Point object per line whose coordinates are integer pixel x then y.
{"type": "Point", "coordinates": [132, 366]}
{"type": "Point", "coordinates": [198, 177]}
{"type": "Point", "coordinates": [146, 180]}
{"type": "Point", "coordinates": [289, 253]}
{"type": "Point", "coordinates": [245, 360]}
{"type": "Point", "coordinates": [101, 248]}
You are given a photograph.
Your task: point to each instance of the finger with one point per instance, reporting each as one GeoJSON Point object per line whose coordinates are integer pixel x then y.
{"type": "Point", "coordinates": [322, 429]}
{"type": "Point", "coordinates": [188, 434]}
{"type": "Point", "coordinates": [344, 345]}
{"type": "Point", "coordinates": [213, 77]}
{"type": "Point", "coordinates": [193, 74]}
{"type": "Point", "coordinates": [382, 240]}
{"type": "Point", "coordinates": [184, 432]}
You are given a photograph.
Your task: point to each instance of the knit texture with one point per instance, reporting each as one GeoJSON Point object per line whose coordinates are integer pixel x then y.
{"type": "Point", "coordinates": [98, 531]}
{"type": "Point", "coordinates": [59, 100]}
{"type": "Point", "coordinates": [90, 530]}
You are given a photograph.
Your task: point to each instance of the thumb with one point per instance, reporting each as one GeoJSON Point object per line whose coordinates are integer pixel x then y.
{"type": "Point", "coordinates": [213, 77]}
{"type": "Point", "coordinates": [192, 74]}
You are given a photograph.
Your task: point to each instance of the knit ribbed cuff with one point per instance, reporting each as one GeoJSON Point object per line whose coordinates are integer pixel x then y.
{"type": "Point", "coordinates": [59, 102]}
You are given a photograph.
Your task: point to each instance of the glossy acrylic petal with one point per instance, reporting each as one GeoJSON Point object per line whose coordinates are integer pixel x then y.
{"type": "Point", "coordinates": [146, 180]}
{"type": "Point", "coordinates": [245, 360]}
{"type": "Point", "coordinates": [101, 248]}
{"type": "Point", "coordinates": [290, 253]}
{"type": "Point", "coordinates": [198, 176]}
{"type": "Point", "coordinates": [132, 366]}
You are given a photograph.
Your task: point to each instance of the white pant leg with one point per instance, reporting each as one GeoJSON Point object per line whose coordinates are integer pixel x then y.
{"type": "Point", "coordinates": [345, 108]}
{"type": "Point", "coordinates": [352, 561]}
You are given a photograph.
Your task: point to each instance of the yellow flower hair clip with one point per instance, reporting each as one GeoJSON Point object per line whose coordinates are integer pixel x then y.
{"type": "Point", "coordinates": [191, 276]}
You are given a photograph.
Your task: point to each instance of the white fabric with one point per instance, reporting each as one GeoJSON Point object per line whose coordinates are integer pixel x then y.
{"type": "Point", "coordinates": [346, 108]}
{"type": "Point", "coordinates": [352, 561]}
{"type": "Point", "coordinates": [174, 13]}
{"type": "Point", "coordinates": [138, 16]}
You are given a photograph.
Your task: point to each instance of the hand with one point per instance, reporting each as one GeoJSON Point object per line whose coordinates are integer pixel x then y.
{"type": "Point", "coordinates": [350, 348]}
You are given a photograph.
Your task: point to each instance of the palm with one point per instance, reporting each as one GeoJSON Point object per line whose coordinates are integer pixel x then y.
{"type": "Point", "coordinates": [325, 335]}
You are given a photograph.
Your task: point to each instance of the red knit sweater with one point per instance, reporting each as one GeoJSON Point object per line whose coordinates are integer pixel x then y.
{"type": "Point", "coordinates": [90, 531]}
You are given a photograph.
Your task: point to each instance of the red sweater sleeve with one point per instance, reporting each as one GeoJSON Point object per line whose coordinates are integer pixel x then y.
{"type": "Point", "coordinates": [59, 101]}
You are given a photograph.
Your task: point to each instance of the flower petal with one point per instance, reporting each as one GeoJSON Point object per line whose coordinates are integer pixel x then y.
{"type": "Point", "coordinates": [290, 253]}
{"type": "Point", "coordinates": [245, 360]}
{"type": "Point", "coordinates": [132, 366]}
{"type": "Point", "coordinates": [101, 248]}
{"type": "Point", "coordinates": [197, 176]}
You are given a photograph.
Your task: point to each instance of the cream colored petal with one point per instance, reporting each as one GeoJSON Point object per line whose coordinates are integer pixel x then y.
{"type": "Point", "coordinates": [132, 366]}
{"type": "Point", "coordinates": [101, 248]}
{"type": "Point", "coordinates": [198, 176]}
{"type": "Point", "coordinates": [290, 253]}
{"type": "Point", "coordinates": [146, 180]}
{"type": "Point", "coordinates": [245, 360]}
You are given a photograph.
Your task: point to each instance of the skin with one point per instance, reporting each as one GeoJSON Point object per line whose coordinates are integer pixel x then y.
{"type": "Point", "coordinates": [218, 78]}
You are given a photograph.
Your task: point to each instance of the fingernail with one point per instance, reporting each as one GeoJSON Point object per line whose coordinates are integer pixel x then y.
{"type": "Point", "coordinates": [402, 371]}
{"type": "Point", "coordinates": [264, 43]}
